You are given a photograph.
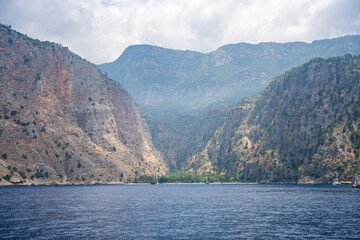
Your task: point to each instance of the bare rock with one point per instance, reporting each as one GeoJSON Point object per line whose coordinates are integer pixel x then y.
{"type": "Point", "coordinates": [356, 183]}
{"type": "Point", "coordinates": [63, 121]}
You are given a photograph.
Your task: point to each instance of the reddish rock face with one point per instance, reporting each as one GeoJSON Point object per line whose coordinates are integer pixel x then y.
{"type": "Point", "coordinates": [62, 121]}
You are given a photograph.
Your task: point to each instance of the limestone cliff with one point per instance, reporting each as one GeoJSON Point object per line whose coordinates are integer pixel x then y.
{"type": "Point", "coordinates": [62, 121]}
{"type": "Point", "coordinates": [303, 128]}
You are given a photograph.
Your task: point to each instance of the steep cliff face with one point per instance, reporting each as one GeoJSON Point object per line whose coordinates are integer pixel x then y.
{"type": "Point", "coordinates": [61, 121]}
{"type": "Point", "coordinates": [304, 127]}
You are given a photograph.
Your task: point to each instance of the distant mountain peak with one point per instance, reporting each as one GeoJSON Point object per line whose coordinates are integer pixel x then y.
{"type": "Point", "coordinates": [238, 70]}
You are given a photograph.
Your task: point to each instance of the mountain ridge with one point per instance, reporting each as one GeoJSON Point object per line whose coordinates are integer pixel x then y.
{"type": "Point", "coordinates": [149, 46]}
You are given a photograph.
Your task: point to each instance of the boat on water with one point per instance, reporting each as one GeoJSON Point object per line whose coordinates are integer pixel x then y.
{"type": "Point", "coordinates": [336, 183]}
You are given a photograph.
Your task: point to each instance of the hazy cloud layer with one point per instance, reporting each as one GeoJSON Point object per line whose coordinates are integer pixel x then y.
{"type": "Point", "coordinates": [100, 30]}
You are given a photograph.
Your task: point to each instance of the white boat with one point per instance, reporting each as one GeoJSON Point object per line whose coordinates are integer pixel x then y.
{"type": "Point", "coordinates": [335, 183]}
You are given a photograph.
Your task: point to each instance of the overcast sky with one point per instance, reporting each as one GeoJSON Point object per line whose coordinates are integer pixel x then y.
{"type": "Point", "coordinates": [100, 30]}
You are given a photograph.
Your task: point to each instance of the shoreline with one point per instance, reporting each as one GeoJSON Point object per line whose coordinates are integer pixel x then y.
{"type": "Point", "coordinates": [214, 183]}
{"type": "Point", "coordinates": [143, 184]}
{"type": "Point", "coordinates": [120, 183]}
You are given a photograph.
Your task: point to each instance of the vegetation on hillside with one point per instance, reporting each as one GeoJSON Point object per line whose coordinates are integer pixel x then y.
{"type": "Point", "coordinates": [303, 128]}
{"type": "Point", "coordinates": [187, 177]}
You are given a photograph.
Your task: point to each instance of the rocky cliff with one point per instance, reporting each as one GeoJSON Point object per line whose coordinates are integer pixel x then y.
{"type": "Point", "coordinates": [175, 89]}
{"type": "Point", "coordinates": [304, 127]}
{"type": "Point", "coordinates": [62, 121]}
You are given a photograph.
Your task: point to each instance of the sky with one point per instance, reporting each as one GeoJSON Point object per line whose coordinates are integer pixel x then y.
{"type": "Point", "coordinates": [100, 30]}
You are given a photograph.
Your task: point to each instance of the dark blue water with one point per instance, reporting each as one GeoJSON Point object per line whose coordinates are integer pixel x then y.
{"type": "Point", "coordinates": [180, 212]}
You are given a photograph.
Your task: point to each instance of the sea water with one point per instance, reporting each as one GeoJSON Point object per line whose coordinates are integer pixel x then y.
{"type": "Point", "coordinates": [180, 211]}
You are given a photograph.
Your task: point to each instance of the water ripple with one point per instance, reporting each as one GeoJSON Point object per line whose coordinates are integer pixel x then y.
{"type": "Point", "coordinates": [180, 212]}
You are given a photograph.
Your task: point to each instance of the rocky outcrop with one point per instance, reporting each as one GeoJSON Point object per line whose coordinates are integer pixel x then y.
{"type": "Point", "coordinates": [356, 183]}
{"type": "Point", "coordinates": [303, 127]}
{"type": "Point", "coordinates": [62, 121]}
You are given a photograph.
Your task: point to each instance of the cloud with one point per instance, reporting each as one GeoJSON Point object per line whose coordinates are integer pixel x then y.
{"type": "Point", "coordinates": [100, 30]}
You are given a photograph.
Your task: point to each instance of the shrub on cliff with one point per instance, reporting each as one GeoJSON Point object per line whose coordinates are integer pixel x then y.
{"type": "Point", "coordinates": [7, 177]}
{"type": "Point", "coordinates": [22, 174]}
